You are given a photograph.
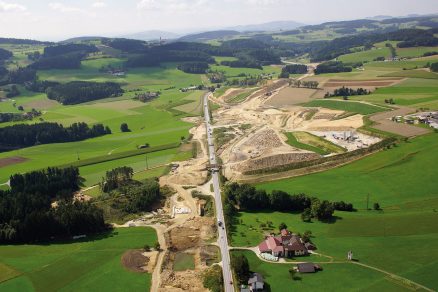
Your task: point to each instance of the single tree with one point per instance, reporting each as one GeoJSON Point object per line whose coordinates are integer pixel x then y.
{"type": "Point", "coordinates": [124, 128]}
{"type": "Point", "coordinates": [376, 206]}
{"type": "Point", "coordinates": [157, 246]}
{"type": "Point", "coordinates": [282, 226]}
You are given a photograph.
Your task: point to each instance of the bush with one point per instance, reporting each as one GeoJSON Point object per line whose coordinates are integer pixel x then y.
{"type": "Point", "coordinates": [124, 128]}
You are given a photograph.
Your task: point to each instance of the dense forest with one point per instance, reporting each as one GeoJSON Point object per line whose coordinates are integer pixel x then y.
{"type": "Point", "coordinates": [17, 76]}
{"type": "Point", "coordinates": [14, 41]}
{"type": "Point", "coordinates": [27, 214]}
{"type": "Point", "coordinates": [25, 135]}
{"type": "Point", "coordinates": [5, 54]}
{"type": "Point", "coordinates": [293, 69]}
{"type": "Point", "coordinates": [68, 56]}
{"type": "Point", "coordinates": [194, 67]}
{"type": "Point", "coordinates": [129, 196]}
{"type": "Point", "coordinates": [81, 91]}
{"type": "Point", "coordinates": [332, 67]}
{"type": "Point", "coordinates": [406, 37]}
{"type": "Point", "coordinates": [125, 45]}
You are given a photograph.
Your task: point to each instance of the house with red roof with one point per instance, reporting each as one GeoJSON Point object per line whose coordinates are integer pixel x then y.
{"type": "Point", "coordinates": [283, 245]}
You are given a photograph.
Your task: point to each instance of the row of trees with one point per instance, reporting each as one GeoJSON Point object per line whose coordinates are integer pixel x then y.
{"type": "Point", "coordinates": [17, 117]}
{"type": "Point", "coordinates": [305, 84]}
{"type": "Point", "coordinates": [346, 91]}
{"type": "Point", "coordinates": [249, 198]}
{"type": "Point", "coordinates": [27, 215]}
{"type": "Point", "coordinates": [25, 135]}
{"type": "Point", "coordinates": [82, 91]}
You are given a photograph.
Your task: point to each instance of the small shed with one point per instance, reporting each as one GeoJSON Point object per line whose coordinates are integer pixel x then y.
{"type": "Point", "coordinates": [308, 268]}
{"type": "Point", "coordinates": [256, 282]}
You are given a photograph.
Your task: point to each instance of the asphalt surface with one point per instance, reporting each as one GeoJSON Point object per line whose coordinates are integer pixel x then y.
{"type": "Point", "coordinates": [222, 240]}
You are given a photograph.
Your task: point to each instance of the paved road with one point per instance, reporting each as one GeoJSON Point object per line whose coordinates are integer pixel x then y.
{"type": "Point", "coordinates": [222, 240]}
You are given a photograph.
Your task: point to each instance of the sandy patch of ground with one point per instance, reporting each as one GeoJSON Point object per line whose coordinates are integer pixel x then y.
{"type": "Point", "coordinates": [291, 96]}
{"type": "Point", "coordinates": [12, 160]}
{"type": "Point", "coordinates": [135, 261]}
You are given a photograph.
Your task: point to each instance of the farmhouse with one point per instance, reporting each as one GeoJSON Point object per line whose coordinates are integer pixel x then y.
{"type": "Point", "coordinates": [284, 245]}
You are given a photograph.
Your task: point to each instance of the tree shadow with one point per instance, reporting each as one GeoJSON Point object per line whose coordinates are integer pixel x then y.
{"type": "Point", "coordinates": [68, 240]}
{"type": "Point", "coordinates": [332, 220]}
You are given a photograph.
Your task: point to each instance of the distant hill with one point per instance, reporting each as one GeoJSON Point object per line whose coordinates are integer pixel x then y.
{"type": "Point", "coordinates": [151, 35]}
{"type": "Point", "coordinates": [380, 17]}
{"type": "Point", "coordinates": [82, 39]}
{"type": "Point", "coordinates": [209, 35]}
{"type": "Point", "coordinates": [268, 26]}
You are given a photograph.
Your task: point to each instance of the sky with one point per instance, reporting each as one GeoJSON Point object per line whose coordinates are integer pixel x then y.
{"type": "Point", "coordinates": [61, 19]}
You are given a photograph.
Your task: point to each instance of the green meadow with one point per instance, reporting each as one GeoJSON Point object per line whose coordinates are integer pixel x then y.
{"type": "Point", "coordinates": [402, 175]}
{"type": "Point", "coordinates": [348, 106]}
{"type": "Point", "coordinates": [157, 122]}
{"type": "Point", "coordinates": [365, 56]}
{"type": "Point", "coordinates": [334, 277]}
{"type": "Point", "coordinates": [90, 264]}
{"type": "Point", "coordinates": [399, 239]}
{"type": "Point", "coordinates": [413, 92]}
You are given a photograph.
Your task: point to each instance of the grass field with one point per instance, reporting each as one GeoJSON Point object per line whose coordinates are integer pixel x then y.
{"type": "Point", "coordinates": [348, 106]}
{"type": "Point", "coordinates": [157, 122]}
{"type": "Point", "coordinates": [92, 264]}
{"type": "Point", "coordinates": [365, 56]}
{"type": "Point", "coordinates": [183, 262]}
{"type": "Point", "coordinates": [318, 142]}
{"type": "Point", "coordinates": [400, 239]}
{"type": "Point", "coordinates": [402, 175]}
{"type": "Point", "coordinates": [413, 92]}
{"type": "Point", "coordinates": [354, 278]}
{"type": "Point", "coordinates": [292, 141]}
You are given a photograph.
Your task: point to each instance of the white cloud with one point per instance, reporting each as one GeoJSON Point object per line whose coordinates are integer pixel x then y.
{"type": "Point", "coordinates": [99, 4]}
{"type": "Point", "coordinates": [11, 7]}
{"type": "Point", "coordinates": [63, 8]}
{"type": "Point", "coordinates": [170, 5]}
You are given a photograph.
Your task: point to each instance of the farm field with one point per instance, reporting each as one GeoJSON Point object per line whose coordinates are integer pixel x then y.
{"type": "Point", "coordinates": [365, 56]}
{"type": "Point", "coordinates": [413, 92]}
{"type": "Point", "coordinates": [92, 264]}
{"type": "Point", "coordinates": [348, 106]}
{"type": "Point", "coordinates": [401, 180]}
{"type": "Point", "coordinates": [291, 96]}
{"type": "Point", "coordinates": [402, 175]}
{"type": "Point", "coordinates": [157, 122]}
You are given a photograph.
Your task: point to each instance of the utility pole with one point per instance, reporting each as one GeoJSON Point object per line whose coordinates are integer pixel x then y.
{"type": "Point", "coordinates": [147, 165]}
